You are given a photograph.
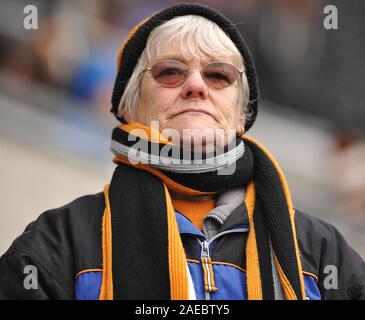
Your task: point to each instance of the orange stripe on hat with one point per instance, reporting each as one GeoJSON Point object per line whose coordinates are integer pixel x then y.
{"type": "Point", "coordinates": [130, 35]}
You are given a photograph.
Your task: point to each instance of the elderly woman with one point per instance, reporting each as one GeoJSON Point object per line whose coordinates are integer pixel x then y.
{"type": "Point", "coordinates": [195, 209]}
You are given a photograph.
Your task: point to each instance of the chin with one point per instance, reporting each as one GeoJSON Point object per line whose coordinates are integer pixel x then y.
{"type": "Point", "coordinates": [199, 137]}
{"type": "Point", "coordinates": [194, 123]}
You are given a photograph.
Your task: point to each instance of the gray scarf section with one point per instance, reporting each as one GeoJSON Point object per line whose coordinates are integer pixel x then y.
{"type": "Point", "coordinates": [175, 164]}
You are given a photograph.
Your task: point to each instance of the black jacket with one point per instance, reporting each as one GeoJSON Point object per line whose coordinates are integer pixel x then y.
{"type": "Point", "coordinates": [63, 242]}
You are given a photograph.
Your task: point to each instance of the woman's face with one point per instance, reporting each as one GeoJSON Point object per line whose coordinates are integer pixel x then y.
{"type": "Point", "coordinates": [191, 105]}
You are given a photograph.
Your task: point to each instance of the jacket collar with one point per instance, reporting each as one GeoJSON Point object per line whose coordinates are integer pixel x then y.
{"type": "Point", "coordinates": [237, 219]}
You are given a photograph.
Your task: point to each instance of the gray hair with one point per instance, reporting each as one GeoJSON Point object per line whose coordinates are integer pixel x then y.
{"type": "Point", "coordinates": [196, 36]}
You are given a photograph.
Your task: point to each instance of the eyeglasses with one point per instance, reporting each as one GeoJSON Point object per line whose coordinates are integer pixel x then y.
{"type": "Point", "coordinates": [172, 73]}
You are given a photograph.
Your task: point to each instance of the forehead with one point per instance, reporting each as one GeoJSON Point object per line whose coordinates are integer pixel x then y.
{"type": "Point", "coordinates": [187, 51]}
{"type": "Point", "coordinates": [203, 59]}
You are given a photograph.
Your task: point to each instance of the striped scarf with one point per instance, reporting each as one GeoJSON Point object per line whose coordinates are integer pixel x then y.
{"type": "Point", "coordinates": [143, 255]}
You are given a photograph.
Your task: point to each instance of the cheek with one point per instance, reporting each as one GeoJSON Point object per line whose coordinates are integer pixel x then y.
{"type": "Point", "coordinates": [158, 99]}
{"type": "Point", "coordinates": [227, 104]}
{"type": "Point", "coordinates": [147, 103]}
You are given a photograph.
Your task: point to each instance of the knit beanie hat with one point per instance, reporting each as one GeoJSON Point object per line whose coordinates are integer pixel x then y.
{"type": "Point", "coordinates": [136, 41]}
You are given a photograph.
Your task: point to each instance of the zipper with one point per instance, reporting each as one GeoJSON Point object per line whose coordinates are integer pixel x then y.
{"type": "Point", "coordinates": [243, 229]}
{"type": "Point", "coordinates": [209, 281]}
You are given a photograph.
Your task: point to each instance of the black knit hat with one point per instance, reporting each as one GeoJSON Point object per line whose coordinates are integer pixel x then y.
{"type": "Point", "coordinates": [137, 39]}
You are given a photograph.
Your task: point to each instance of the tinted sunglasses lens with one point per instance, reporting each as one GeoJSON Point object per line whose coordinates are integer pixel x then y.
{"type": "Point", "coordinates": [220, 75]}
{"type": "Point", "coordinates": [169, 73]}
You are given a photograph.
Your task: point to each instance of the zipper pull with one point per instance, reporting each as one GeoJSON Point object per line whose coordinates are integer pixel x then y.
{"type": "Point", "coordinates": [209, 282]}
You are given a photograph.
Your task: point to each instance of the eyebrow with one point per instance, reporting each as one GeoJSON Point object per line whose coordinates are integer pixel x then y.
{"type": "Point", "coordinates": [183, 60]}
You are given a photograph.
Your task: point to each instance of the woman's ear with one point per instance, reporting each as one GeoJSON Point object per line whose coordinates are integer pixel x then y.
{"type": "Point", "coordinates": [241, 131]}
{"type": "Point", "coordinates": [127, 117]}
{"type": "Point", "coordinates": [240, 128]}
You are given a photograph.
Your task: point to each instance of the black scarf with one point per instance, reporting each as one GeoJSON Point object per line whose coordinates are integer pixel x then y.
{"type": "Point", "coordinates": [143, 257]}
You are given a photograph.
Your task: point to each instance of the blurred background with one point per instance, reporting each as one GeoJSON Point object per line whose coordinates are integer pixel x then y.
{"type": "Point", "coordinates": [56, 83]}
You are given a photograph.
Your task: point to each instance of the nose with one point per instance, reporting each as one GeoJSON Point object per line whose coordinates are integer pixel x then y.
{"type": "Point", "coordinates": [194, 86]}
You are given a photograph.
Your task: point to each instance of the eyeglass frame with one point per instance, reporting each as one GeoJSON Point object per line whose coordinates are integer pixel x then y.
{"type": "Point", "coordinates": [188, 69]}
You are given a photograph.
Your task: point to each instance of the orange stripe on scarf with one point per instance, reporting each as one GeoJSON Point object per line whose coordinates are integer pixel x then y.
{"type": "Point", "coordinates": [179, 286]}
{"type": "Point", "coordinates": [254, 288]}
{"type": "Point", "coordinates": [288, 289]}
{"type": "Point", "coordinates": [169, 183]}
{"type": "Point", "coordinates": [106, 290]}
{"type": "Point", "coordinates": [147, 133]}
